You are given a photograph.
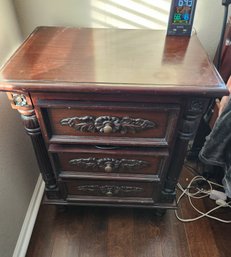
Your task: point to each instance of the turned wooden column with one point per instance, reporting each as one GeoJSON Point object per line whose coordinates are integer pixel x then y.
{"type": "Point", "coordinates": [22, 103]}
{"type": "Point", "coordinates": [187, 129]}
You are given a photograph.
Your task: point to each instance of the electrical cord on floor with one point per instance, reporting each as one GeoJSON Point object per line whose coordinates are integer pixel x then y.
{"type": "Point", "coordinates": [201, 193]}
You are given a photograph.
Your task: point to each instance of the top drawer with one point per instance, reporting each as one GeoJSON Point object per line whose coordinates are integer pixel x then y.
{"type": "Point", "coordinates": [106, 123]}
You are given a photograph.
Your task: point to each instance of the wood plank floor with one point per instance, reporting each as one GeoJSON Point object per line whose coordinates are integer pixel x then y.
{"type": "Point", "coordinates": [119, 232]}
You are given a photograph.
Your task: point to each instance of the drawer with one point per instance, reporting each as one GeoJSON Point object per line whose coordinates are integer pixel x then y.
{"type": "Point", "coordinates": [108, 188]}
{"type": "Point", "coordinates": [71, 160]}
{"type": "Point", "coordinates": [105, 123]}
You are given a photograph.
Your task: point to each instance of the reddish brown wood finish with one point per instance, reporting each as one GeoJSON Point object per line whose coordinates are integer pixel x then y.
{"type": "Point", "coordinates": [64, 59]}
{"type": "Point", "coordinates": [163, 117]}
{"type": "Point", "coordinates": [114, 78]}
{"type": "Point", "coordinates": [120, 232]}
{"type": "Point", "coordinates": [109, 189]}
{"type": "Point", "coordinates": [153, 160]}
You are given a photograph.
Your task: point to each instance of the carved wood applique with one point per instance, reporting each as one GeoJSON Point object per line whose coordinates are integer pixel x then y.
{"type": "Point", "coordinates": [191, 118]}
{"type": "Point", "coordinates": [109, 164]}
{"type": "Point", "coordinates": [196, 105]}
{"type": "Point", "coordinates": [19, 100]}
{"type": "Point", "coordinates": [110, 190]}
{"type": "Point", "coordinates": [108, 124]}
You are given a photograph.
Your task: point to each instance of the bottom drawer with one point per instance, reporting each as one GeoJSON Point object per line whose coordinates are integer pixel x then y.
{"type": "Point", "coordinates": [108, 188]}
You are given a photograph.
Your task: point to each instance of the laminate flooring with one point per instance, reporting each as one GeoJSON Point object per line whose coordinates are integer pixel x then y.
{"type": "Point", "coordinates": [120, 232]}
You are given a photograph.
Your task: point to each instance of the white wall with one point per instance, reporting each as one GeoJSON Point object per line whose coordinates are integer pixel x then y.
{"type": "Point", "coordinates": [208, 23]}
{"type": "Point", "coordinates": [10, 35]}
{"type": "Point", "coordinates": [18, 167]}
{"type": "Point", "coordinates": [119, 13]}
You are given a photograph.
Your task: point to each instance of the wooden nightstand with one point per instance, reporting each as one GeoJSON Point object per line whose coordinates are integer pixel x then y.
{"type": "Point", "coordinates": [110, 112]}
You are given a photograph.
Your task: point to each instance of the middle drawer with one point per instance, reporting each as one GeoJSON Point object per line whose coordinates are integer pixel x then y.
{"type": "Point", "coordinates": [71, 161]}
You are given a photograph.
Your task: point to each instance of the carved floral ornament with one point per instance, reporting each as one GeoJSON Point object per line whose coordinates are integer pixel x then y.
{"type": "Point", "coordinates": [110, 190]}
{"type": "Point", "coordinates": [197, 105]}
{"type": "Point", "coordinates": [19, 100]}
{"type": "Point", "coordinates": [109, 164]}
{"type": "Point", "coordinates": [108, 124]}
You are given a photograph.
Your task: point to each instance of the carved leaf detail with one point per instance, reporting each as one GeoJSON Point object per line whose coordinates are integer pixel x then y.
{"type": "Point", "coordinates": [97, 124]}
{"type": "Point", "coordinates": [83, 124]}
{"type": "Point", "coordinates": [135, 125]}
{"type": "Point", "coordinates": [110, 189]}
{"type": "Point", "coordinates": [115, 164]}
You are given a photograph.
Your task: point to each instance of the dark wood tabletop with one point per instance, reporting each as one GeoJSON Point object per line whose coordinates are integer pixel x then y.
{"type": "Point", "coordinates": [82, 59]}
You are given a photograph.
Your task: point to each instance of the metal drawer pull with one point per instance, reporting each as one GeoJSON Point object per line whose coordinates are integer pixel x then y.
{"type": "Point", "coordinates": [108, 168]}
{"type": "Point", "coordinates": [108, 124]}
{"type": "Point", "coordinates": [109, 164]}
{"type": "Point", "coordinates": [107, 129]}
{"type": "Point", "coordinates": [107, 147]}
{"type": "Point", "coordinates": [110, 190]}
{"type": "Point", "coordinates": [109, 193]}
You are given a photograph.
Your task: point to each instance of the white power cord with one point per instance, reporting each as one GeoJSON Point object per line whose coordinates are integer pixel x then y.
{"type": "Point", "coordinates": [201, 193]}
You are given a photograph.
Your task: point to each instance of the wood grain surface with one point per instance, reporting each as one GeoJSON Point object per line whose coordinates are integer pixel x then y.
{"type": "Point", "coordinates": [111, 59]}
{"type": "Point", "coordinates": [119, 232]}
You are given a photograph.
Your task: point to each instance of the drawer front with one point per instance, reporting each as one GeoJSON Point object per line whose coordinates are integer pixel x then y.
{"type": "Point", "coordinates": [100, 123]}
{"type": "Point", "coordinates": [110, 189]}
{"type": "Point", "coordinates": [72, 160]}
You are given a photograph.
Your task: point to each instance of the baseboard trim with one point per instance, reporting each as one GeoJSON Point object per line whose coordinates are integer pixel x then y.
{"type": "Point", "coordinates": [29, 221]}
